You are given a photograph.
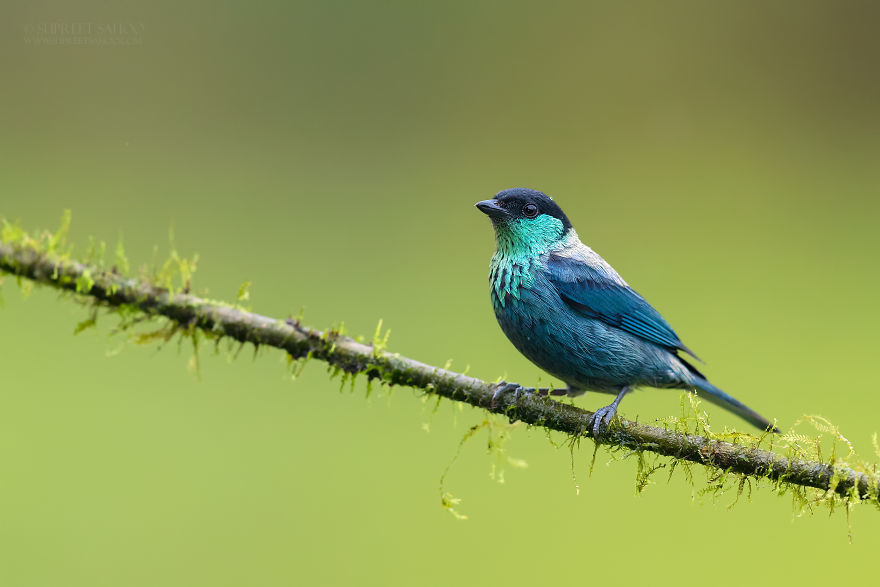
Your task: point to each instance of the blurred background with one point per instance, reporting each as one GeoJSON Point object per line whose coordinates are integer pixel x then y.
{"type": "Point", "coordinates": [722, 156]}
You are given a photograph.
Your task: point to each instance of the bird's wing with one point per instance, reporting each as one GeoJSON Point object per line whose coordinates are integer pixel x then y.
{"type": "Point", "coordinates": [592, 288]}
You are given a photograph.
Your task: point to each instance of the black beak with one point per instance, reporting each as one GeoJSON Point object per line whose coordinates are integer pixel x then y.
{"type": "Point", "coordinates": [491, 209]}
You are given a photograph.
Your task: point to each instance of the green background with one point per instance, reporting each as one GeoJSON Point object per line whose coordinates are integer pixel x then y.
{"type": "Point", "coordinates": [722, 156]}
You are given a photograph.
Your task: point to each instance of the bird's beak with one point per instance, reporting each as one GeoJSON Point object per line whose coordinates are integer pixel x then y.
{"type": "Point", "coordinates": [491, 209]}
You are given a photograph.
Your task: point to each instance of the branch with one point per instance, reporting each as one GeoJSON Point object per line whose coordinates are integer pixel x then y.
{"type": "Point", "coordinates": [27, 260]}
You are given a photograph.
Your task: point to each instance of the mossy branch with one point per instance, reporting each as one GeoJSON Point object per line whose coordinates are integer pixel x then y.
{"type": "Point", "coordinates": [27, 259]}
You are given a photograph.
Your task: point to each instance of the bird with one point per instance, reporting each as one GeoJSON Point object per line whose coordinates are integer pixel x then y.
{"type": "Point", "coordinates": [571, 314]}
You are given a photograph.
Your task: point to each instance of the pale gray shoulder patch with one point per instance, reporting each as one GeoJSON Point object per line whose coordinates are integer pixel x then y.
{"type": "Point", "coordinates": [576, 250]}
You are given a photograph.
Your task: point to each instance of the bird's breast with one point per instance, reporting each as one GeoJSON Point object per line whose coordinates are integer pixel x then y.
{"type": "Point", "coordinates": [508, 276]}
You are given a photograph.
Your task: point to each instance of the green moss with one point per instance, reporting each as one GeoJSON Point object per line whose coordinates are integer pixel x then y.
{"type": "Point", "coordinates": [58, 240]}
{"type": "Point", "coordinates": [89, 322]}
{"type": "Point", "coordinates": [194, 365]}
{"type": "Point", "coordinates": [821, 438]}
{"type": "Point", "coordinates": [11, 233]}
{"type": "Point", "coordinates": [121, 265]}
{"type": "Point", "coordinates": [380, 341]}
{"type": "Point", "coordinates": [85, 282]}
{"type": "Point", "coordinates": [244, 293]}
{"type": "Point", "coordinates": [647, 465]}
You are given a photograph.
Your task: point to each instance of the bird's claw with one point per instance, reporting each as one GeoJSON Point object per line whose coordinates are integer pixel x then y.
{"type": "Point", "coordinates": [601, 419]}
{"type": "Point", "coordinates": [504, 387]}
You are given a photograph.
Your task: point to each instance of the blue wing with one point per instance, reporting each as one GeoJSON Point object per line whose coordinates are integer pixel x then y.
{"type": "Point", "coordinates": [596, 291]}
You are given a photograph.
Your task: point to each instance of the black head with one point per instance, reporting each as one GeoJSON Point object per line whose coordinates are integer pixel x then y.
{"type": "Point", "coordinates": [522, 203]}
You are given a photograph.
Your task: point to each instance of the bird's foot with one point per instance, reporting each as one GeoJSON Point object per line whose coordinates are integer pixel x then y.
{"type": "Point", "coordinates": [505, 387]}
{"type": "Point", "coordinates": [602, 419]}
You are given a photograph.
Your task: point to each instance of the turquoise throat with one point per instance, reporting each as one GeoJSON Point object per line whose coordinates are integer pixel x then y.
{"type": "Point", "coordinates": [520, 244]}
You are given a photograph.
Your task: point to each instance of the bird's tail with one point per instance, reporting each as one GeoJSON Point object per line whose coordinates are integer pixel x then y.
{"type": "Point", "coordinates": [712, 394]}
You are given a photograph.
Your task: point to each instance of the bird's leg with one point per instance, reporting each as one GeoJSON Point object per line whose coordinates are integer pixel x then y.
{"type": "Point", "coordinates": [504, 387]}
{"type": "Point", "coordinates": [602, 417]}
{"type": "Point", "coordinates": [544, 391]}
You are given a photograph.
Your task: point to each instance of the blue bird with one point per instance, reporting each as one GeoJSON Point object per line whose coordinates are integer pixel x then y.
{"type": "Point", "coordinates": [570, 313]}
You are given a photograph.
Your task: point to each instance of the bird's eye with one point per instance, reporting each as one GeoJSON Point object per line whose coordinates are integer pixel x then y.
{"type": "Point", "coordinates": [530, 210]}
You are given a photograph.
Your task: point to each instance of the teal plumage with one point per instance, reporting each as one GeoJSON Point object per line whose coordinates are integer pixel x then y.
{"type": "Point", "coordinates": [570, 313]}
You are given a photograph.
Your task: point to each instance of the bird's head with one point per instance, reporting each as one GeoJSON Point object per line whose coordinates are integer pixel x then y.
{"type": "Point", "coordinates": [527, 222]}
